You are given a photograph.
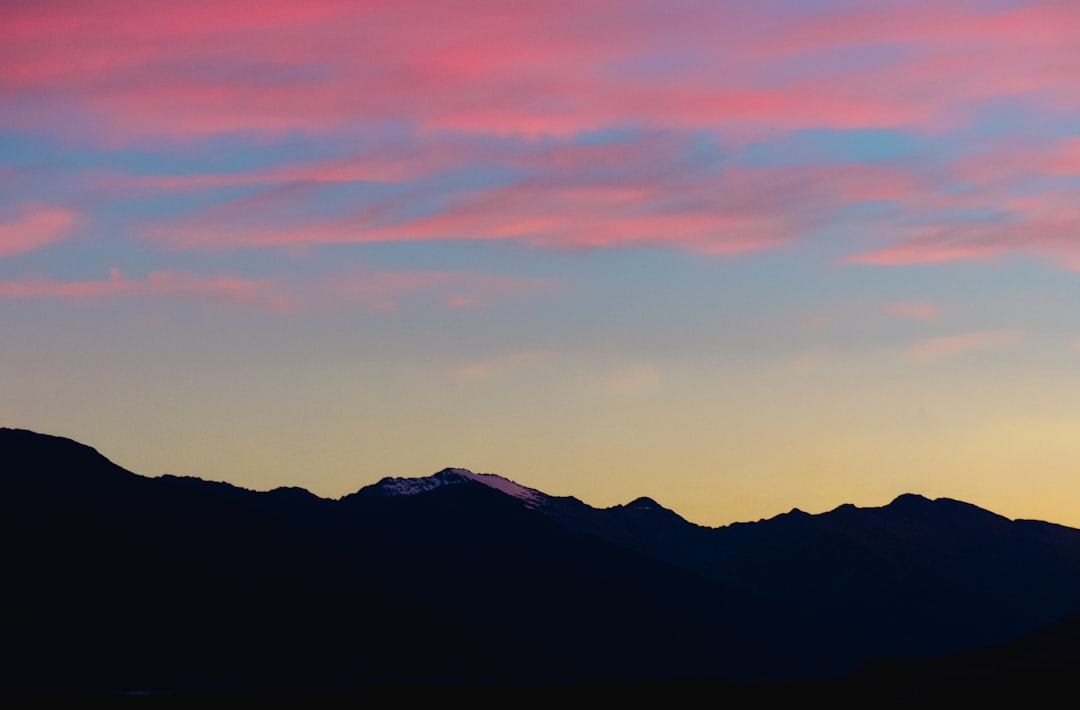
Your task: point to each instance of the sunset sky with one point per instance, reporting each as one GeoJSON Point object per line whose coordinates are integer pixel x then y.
{"type": "Point", "coordinates": [736, 256]}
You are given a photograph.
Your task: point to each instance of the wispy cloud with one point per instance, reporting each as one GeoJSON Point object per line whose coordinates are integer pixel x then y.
{"type": "Point", "coordinates": [389, 163]}
{"type": "Point", "coordinates": [943, 346]}
{"type": "Point", "coordinates": [502, 365]}
{"type": "Point", "coordinates": [642, 191]}
{"type": "Point", "coordinates": [33, 227]}
{"type": "Point", "coordinates": [1051, 232]}
{"type": "Point", "coordinates": [1024, 201]}
{"type": "Point", "coordinates": [163, 283]}
{"type": "Point", "coordinates": [455, 289]}
{"type": "Point", "coordinates": [919, 310]}
{"type": "Point", "coordinates": [363, 287]}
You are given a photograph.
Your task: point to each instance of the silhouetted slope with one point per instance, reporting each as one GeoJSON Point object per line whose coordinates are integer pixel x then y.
{"type": "Point", "coordinates": [558, 604]}
{"type": "Point", "coordinates": [118, 581]}
{"type": "Point", "coordinates": [914, 577]}
{"type": "Point", "coordinates": [128, 582]}
{"type": "Point", "coordinates": [556, 599]}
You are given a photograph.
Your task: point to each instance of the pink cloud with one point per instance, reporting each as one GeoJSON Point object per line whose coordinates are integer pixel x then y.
{"type": "Point", "coordinates": [1005, 164]}
{"type": "Point", "coordinates": [636, 192]}
{"type": "Point", "coordinates": [499, 366]}
{"type": "Point", "coordinates": [142, 71]}
{"type": "Point", "coordinates": [36, 226]}
{"type": "Point", "coordinates": [379, 165]}
{"type": "Point", "coordinates": [455, 289]}
{"type": "Point", "coordinates": [958, 55]}
{"type": "Point", "coordinates": [205, 67]}
{"type": "Point", "coordinates": [919, 310]}
{"type": "Point", "coordinates": [1026, 192]}
{"type": "Point", "coordinates": [367, 288]}
{"type": "Point", "coordinates": [164, 283]}
{"type": "Point", "coordinates": [945, 244]}
{"type": "Point", "coordinates": [1045, 225]}
{"type": "Point", "coordinates": [934, 348]}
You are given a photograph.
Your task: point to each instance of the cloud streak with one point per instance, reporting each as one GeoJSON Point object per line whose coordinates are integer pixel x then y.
{"type": "Point", "coordinates": [646, 190]}
{"type": "Point", "coordinates": [363, 287]}
{"type": "Point", "coordinates": [34, 227]}
{"type": "Point", "coordinates": [919, 310]}
{"type": "Point", "coordinates": [947, 345]}
{"type": "Point", "coordinates": [161, 283]}
{"type": "Point", "coordinates": [500, 366]}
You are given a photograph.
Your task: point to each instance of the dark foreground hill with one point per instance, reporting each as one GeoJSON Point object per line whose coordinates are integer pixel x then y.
{"type": "Point", "coordinates": [116, 582]}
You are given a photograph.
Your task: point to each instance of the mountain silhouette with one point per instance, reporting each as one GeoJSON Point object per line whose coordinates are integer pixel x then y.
{"type": "Point", "coordinates": [119, 582]}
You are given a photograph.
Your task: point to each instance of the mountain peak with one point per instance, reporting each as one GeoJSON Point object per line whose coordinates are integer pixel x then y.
{"type": "Point", "coordinates": [644, 503]}
{"type": "Point", "coordinates": [909, 500]}
{"type": "Point", "coordinates": [394, 486]}
{"type": "Point", "coordinates": [917, 505]}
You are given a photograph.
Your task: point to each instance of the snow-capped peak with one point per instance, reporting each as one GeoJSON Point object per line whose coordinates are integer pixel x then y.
{"type": "Point", "coordinates": [453, 476]}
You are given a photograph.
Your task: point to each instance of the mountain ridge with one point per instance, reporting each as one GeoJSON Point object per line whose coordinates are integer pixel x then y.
{"type": "Point", "coordinates": [569, 592]}
{"type": "Point", "coordinates": [902, 499]}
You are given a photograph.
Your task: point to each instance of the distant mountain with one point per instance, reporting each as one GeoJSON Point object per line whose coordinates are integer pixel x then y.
{"type": "Point", "coordinates": [123, 583]}
{"type": "Point", "coordinates": [453, 476]}
{"type": "Point", "coordinates": [914, 577]}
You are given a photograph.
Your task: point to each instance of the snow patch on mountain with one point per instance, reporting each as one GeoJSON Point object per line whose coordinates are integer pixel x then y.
{"type": "Point", "coordinates": [453, 476]}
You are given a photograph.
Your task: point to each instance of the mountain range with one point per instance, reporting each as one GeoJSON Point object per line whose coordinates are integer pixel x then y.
{"type": "Point", "coordinates": [117, 582]}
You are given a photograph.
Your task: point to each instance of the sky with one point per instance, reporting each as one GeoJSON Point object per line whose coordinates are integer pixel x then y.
{"type": "Point", "coordinates": [738, 257]}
